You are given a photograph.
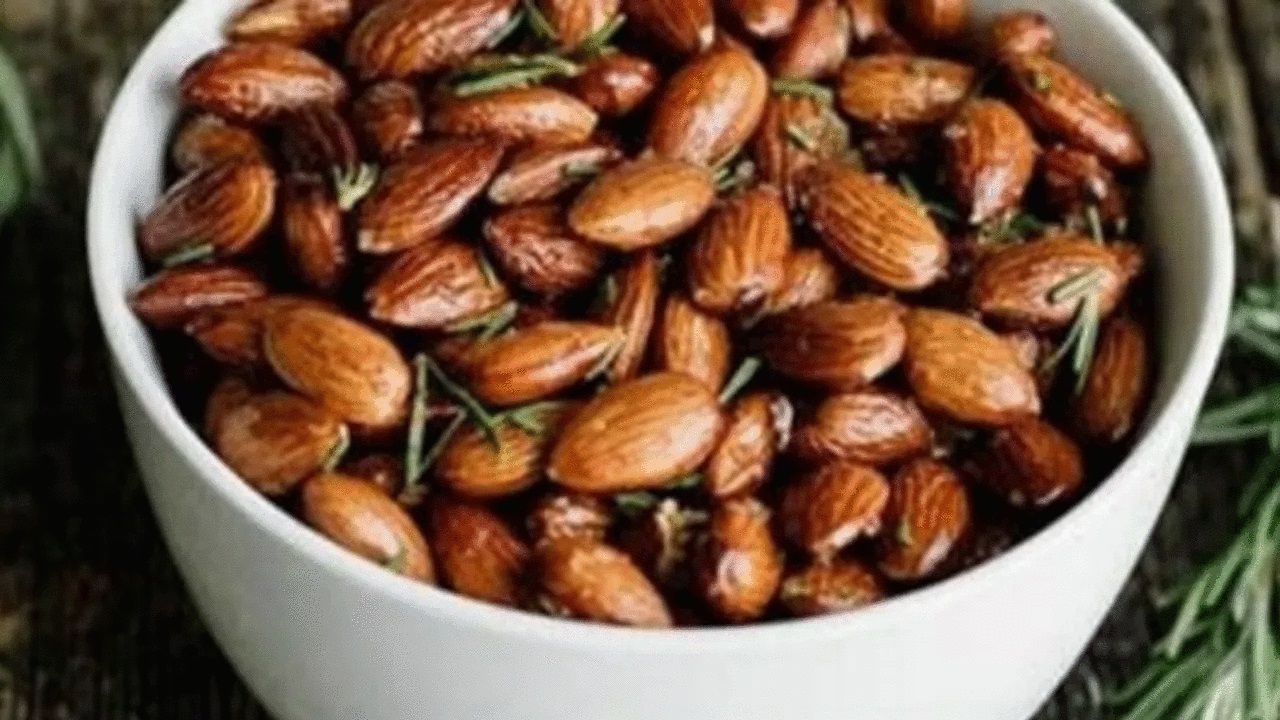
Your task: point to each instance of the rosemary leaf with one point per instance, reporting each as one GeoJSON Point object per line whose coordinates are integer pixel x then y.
{"type": "Point", "coordinates": [338, 451]}
{"type": "Point", "coordinates": [741, 377]}
{"type": "Point", "coordinates": [482, 417]}
{"type": "Point", "coordinates": [413, 459]}
{"type": "Point", "coordinates": [800, 138]}
{"type": "Point", "coordinates": [195, 252]}
{"type": "Point", "coordinates": [602, 37]}
{"type": "Point", "coordinates": [804, 88]}
{"type": "Point", "coordinates": [351, 185]}
{"type": "Point", "coordinates": [538, 22]}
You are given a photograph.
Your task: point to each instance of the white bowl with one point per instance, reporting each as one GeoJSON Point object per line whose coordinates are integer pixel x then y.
{"type": "Point", "coordinates": [320, 634]}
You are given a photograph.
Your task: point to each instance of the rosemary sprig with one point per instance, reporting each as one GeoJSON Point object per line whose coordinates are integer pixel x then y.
{"type": "Point", "coordinates": [351, 185]}
{"type": "Point", "coordinates": [1082, 338]}
{"type": "Point", "coordinates": [489, 324]}
{"type": "Point", "coordinates": [492, 73]}
{"type": "Point", "coordinates": [538, 22]}
{"type": "Point", "coordinates": [741, 377]}
{"type": "Point", "coordinates": [804, 88]}
{"type": "Point", "coordinates": [478, 413]}
{"type": "Point", "coordinates": [187, 254]}
{"type": "Point", "coordinates": [733, 175]}
{"type": "Point", "coordinates": [601, 38]}
{"type": "Point", "coordinates": [338, 451]}
{"type": "Point", "coordinates": [414, 466]}
{"type": "Point", "coordinates": [800, 138]}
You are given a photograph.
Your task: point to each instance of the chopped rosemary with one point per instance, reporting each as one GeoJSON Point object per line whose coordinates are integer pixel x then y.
{"type": "Point", "coordinates": [338, 451]}
{"type": "Point", "coordinates": [804, 88]}
{"type": "Point", "coordinates": [741, 377]}
{"type": "Point", "coordinates": [508, 29]}
{"type": "Point", "coordinates": [633, 505]}
{"type": "Point", "coordinates": [414, 465]}
{"type": "Point", "coordinates": [800, 138]}
{"type": "Point", "coordinates": [490, 275]}
{"type": "Point", "coordinates": [1075, 286]}
{"type": "Point", "coordinates": [602, 37]}
{"type": "Point", "coordinates": [538, 22]}
{"type": "Point", "coordinates": [187, 254]}
{"type": "Point", "coordinates": [398, 562]}
{"type": "Point", "coordinates": [688, 482]}
{"type": "Point", "coordinates": [1082, 339]}
{"type": "Point", "coordinates": [733, 175]}
{"type": "Point", "coordinates": [1041, 82]}
{"type": "Point", "coordinates": [490, 323]}
{"type": "Point", "coordinates": [1095, 223]}
{"type": "Point", "coordinates": [926, 206]}
{"type": "Point", "coordinates": [351, 185]}
{"type": "Point", "coordinates": [532, 418]}
{"type": "Point", "coordinates": [580, 170]}
{"type": "Point", "coordinates": [505, 72]}
{"type": "Point", "coordinates": [482, 417]}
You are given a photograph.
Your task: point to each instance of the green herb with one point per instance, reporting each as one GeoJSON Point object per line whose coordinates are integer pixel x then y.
{"type": "Point", "coordinates": [1041, 82]}
{"type": "Point", "coordinates": [508, 29]}
{"type": "Point", "coordinates": [800, 138]}
{"type": "Point", "coordinates": [1082, 339]}
{"type": "Point", "coordinates": [442, 441]}
{"type": "Point", "coordinates": [909, 187]}
{"type": "Point", "coordinates": [1075, 286]}
{"type": "Point", "coordinates": [187, 254]}
{"type": "Point", "coordinates": [538, 22]}
{"type": "Point", "coordinates": [491, 323]}
{"type": "Point", "coordinates": [397, 563]}
{"type": "Point", "coordinates": [21, 169]}
{"type": "Point", "coordinates": [633, 505]}
{"type": "Point", "coordinates": [1095, 223]}
{"type": "Point", "coordinates": [733, 175]}
{"type": "Point", "coordinates": [413, 462]}
{"type": "Point", "coordinates": [688, 482]}
{"type": "Point", "coordinates": [804, 88]}
{"type": "Point", "coordinates": [490, 275]}
{"type": "Point", "coordinates": [505, 72]}
{"type": "Point", "coordinates": [338, 451]}
{"type": "Point", "coordinates": [904, 534]}
{"type": "Point", "coordinates": [741, 377]}
{"type": "Point", "coordinates": [598, 40]}
{"type": "Point", "coordinates": [478, 413]}
{"type": "Point", "coordinates": [532, 418]}
{"type": "Point", "coordinates": [580, 170]}
{"type": "Point", "coordinates": [351, 185]}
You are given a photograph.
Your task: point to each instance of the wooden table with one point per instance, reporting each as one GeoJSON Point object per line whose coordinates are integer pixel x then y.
{"type": "Point", "coordinates": [94, 623]}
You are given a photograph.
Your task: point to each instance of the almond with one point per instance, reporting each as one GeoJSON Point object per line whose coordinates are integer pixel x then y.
{"type": "Point", "coordinates": [899, 89]}
{"type": "Point", "coordinates": [171, 298]}
{"type": "Point", "coordinates": [533, 114]}
{"type": "Point", "coordinates": [874, 228]}
{"type": "Point", "coordinates": [318, 139]}
{"type": "Point", "coordinates": [927, 517]}
{"type": "Point", "coordinates": [817, 45]}
{"type": "Point", "coordinates": [888, 42]}
{"type": "Point", "coordinates": [576, 20]}
{"type": "Point", "coordinates": [475, 466]}
{"type": "Point", "coordinates": [642, 434]}
{"type": "Point", "coordinates": [229, 393]}
{"type": "Point", "coordinates": [990, 157]}
{"type": "Point", "coordinates": [479, 556]}
{"type": "Point", "coordinates": [985, 541]}
{"type": "Point", "coordinates": [633, 309]}
{"type": "Point", "coordinates": [425, 192]}
{"type": "Point", "coordinates": [362, 519]}
{"type": "Point", "coordinates": [796, 133]}
{"type": "Point", "coordinates": [682, 26]}
{"type": "Point", "coordinates": [831, 507]}
{"type": "Point", "coordinates": [740, 255]}
{"type": "Point", "coordinates": [808, 278]}
{"type": "Point", "coordinates": [207, 140]}
{"type": "Point", "coordinates": [567, 516]}
{"type": "Point", "coordinates": [825, 588]}
{"type": "Point", "coordinates": [380, 470]}
{"type": "Point", "coordinates": [1109, 406]}
{"type": "Point", "coordinates": [1028, 347]}
{"type": "Point", "coordinates": [1021, 32]}
{"type": "Point", "coordinates": [938, 20]}
{"type": "Point", "coordinates": [257, 82]}
{"type": "Point", "coordinates": [389, 116]}
{"type": "Point", "coordinates": [740, 565]}
{"type": "Point", "coordinates": [710, 107]}
{"type": "Point", "coordinates": [1075, 180]}
{"type": "Point", "coordinates": [1032, 464]}
{"type": "Point", "coordinates": [291, 22]}
{"type": "Point", "coordinates": [406, 38]}
{"type": "Point", "coordinates": [871, 427]}
{"type": "Point", "coordinates": [277, 440]}
{"type": "Point", "coordinates": [885, 149]}
{"type": "Point", "coordinates": [1021, 285]}
{"type": "Point", "coordinates": [838, 345]}
{"type": "Point", "coordinates": [541, 172]}
{"type": "Point", "coordinates": [765, 19]}
{"type": "Point", "coordinates": [434, 287]}
{"type": "Point", "coordinates": [959, 368]}
{"type": "Point", "coordinates": [616, 84]}
{"type": "Point", "coordinates": [536, 362]}
{"type": "Point", "coordinates": [692, 342]}
{"type": "Point", "coordinates": [346, 366]}
{"type": "Point", "coordinates": [534, 246]}
{"type": "Point", "coordinates": [1066, 106]}
{"type": "Point", "coordinates": [759, 425]}
{"type": "Point", "coordinates": [593, 581]}
{"type": "Point", "coordinates": [225, 207]}
{"type": "Point", "coordinates": [313, 231]}
{"type": "Point", "coordinates": [231, 335]}
{"type": "Point", "coordinates": [642, 203]}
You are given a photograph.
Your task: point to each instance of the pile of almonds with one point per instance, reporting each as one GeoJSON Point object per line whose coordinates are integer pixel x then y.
{"type": "Point", "coordinates": [653, 312]}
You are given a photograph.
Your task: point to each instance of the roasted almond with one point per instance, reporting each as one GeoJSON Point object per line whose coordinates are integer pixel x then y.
{"type": "Point", "coordinates": [257, 82]}
{"type": "Point", "coordinates": [823, 588]}
{"type": "Point", "coordinates": [1064, 105]}
{"type": "Point", "coordinates": [380, 470]}
{"type": "Point", "coordinates": [425, 192]}
{"type": "Point", "coordinates": [1114, 394]}
{"type": "Point", "coordinates": [692, 342]}
{"type": "Point", "coordinates": [568, 516]}
{"type": "Point", "coordinates": [874, 228]}
{"type": "Point", "coordinates": [959, 368]}
{"type": "Point", "coordinates": [991, 155]}
{"type": "Point", "coordinates": [576, 20]}
{"type": "Point", "coordinates": [277, 440]}
{"type": "Point", "coordinates": [641, 434]}
{"type": "Point", "coordinates": [362, 519]}
{"type": "Point", "coordinates": [291, 22]}
{"type": "Point", "coordinates": [314, 235]}
{"type": "Point", "coordinates": [536, 362]}
{"type": "Point", "coordinates": [223, 208]}
{"type": "Point", "coordinates": [479, 556]}
{"type": "Point", "coordinates": [633, 308]}
{"type": "Point", "coordinates": [1076, 181]}
{"type": "Point", "coordinates": [481, 467]}
{"type": "Point", "coordinates": [1041, 284]}
{"type": "Point", "coordinates": [899, 89]}
{"type": "Point", "coordinates": [1022, 32]}
{"type": "Point", "coordinates": [229, 393]}
{"type": "Point", "coordinates": [710, 107]}
{"type": "Point", "coordinates": [808, 278]}
{"type": "Point", "coordinates": [870, 426]}
{"type": "Point", "coordinates": [173, 297]}
{"type": "Point", "coordinates": [642, 203]}
{"type": "Point", "coordinates": [887, 148]}
{"type": "Point", "coordinates": [868, 19]}
{"type": "Point", "coordinates": [828, 509]}
{"type": "Point", "coordinates": [740, 256]}
{"type": "Point", "coordinates": [534, 246]}
{"type": "Point", "coordinates": [927, 517]}
{"type": "Point", "coordinates": [406, 38]}
{"type": "Point", "coordinates": [765, 19]}
{"type": "Point", "coordinates": [759, 425]}
{"type": "Point", "coordinates": [683, 26]}
{"type": "Point", "coordinates": [938, 20]}
{"type": "Point", "coordinates": [434, 287]}
{"type": "Point", "coordinates": [207, 140]}
{"type": "Point", "coordinates": [616, 84]}
{"type": "Point", "coordinates": [1032, 464]}
{"type": "Point", "coordinates": [541, 172]}
{"type": "Point", "coordinates": [796, 133]}
{"type": "Point", "coordinates": [817, 45]}
{"type": "Point", "coordinates": [389, 116]}
{"type": "Point", "coordinates": [835, 344]}
{"type": "Point", "coordinates": [318, 139]}
{"type": "Point", "coordinates": [740, 565]}
{"type": "Point", "coordinates": [593, 581]}
{"type": "Point", "coordinates": [533, 114]}
{"type": "Point", "coordinates": [346, 366]}
{"type": "Point", "coordinates": [231, 335]}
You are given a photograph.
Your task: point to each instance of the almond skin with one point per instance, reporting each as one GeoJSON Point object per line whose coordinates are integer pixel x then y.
{"type": "Point", "coordinates": [534, 246]}
{"type": "Point", "coordinates": [758, 426]}
{"type": "Point", "coordinates": [868, 19]}
{"type": "Point", "coordinates": [260, 82]}
{"type": "Point", "coordinates": [593, 581]}
{"type": "Point", "coordinates": [817, 45]}
{"type": "Point", "coordinates": [826, 588]}
{"type": "Point", "coordinates": [874, 228]}
{"type": "Point", "coordinates": [898, 89]}
{"type": "Point", "coordinates": [473, 467]}
{"type": "Point", "coordinates": [991, 155]}
{"type": "Point", "coordinates": [740, 565]}
{"type": "Point", "coordinates": [740, 255]}
{"type": "Point", "coordinates": [692, 342]}
{"type": "Point", "coordinates": [1115, 393]}
{"type": "Point", "coordinates": [229, 393]}
{"type": "Point", "coordinates": [1016, 286]}
{"type": "Point", "coordinates": [634, 310]}
{"type": "Point", "coordinates": [962, 370]}
{"type": "Point", "coordinates": [567, 516]}
{"type": "Point", "coordinates": [314, 235]}
{"type": "Point", "coordinates": [938, 20]}
{"type": "Point", "coordinates": [208, 140]}
{"type": "Point", "coordinates": [541, 172]}
{"type": "Point", "coordinates": [837, 345]}
{"type": "Point", "coordinates": [1021, 33]}
{"type": "Point", "coordinates": [642, 203]}
{"type": "Point", "coordinates": [642, 434]}
{"type": "Point", "coordinates": [346, 366]}
{"type": "Point", "coordinates": [380, 470]}
{"type": "Point", "coordinates": [479, 556]}
{"type": "Point", "coordinates": [927, 517]}
{"type": "Point", "coordinates": [226, 206]}
{"type": "Point", "coordinates": [1064, 105]}
{"type": "Point", "coordinates": [536, 362]}
{"type": "Point", "coordinates": [870, 427]}
{"type": "Point", "coordinates": [231, 335]}
{"type": "Point", "coordinates": [277, 440]}
{"type": "Point", "coordinates": [416, 37]}
{"type": "Point", "coordinates": [616, 84]}
{"type": "Point", "coordinates": [425, 192]}
{"type": "Point", "coordinates": [795, 134]}
{"type": "Point", "coordinates": [362, 519]}
{"type": "Point", "coordinates": [764, 19]}
{"type": "Point", "coordinates": [291, 22]}
{"type": "Point", "coordinates": [1032, 464]}
{"type": "Point", "coordinates": [808, 278]}
{"type": "Point", "coordinates": [318, 139]}
{"type": "Point", "coordinates": [710, 107]}
{"type": "Point", "coordinates": [533, 114]}
{"type": "Point", "coordinates": [389, 117]}
{"type": "Point", "coordinates": [173, 297]}
{"type": "Point", "coordinates": [1074, 180]}
{"type": "Point", "coordinates": [434, 287]}
{"type": "Point", "coordinates": [684, 27]}
{"type": "Point", "coordinates": [576, 20]}
{"type": "Point", "coordinates": [831, 507]}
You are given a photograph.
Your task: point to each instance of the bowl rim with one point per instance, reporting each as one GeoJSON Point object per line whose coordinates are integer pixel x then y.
{"type": "Point", "coordinates": [1158, 438]}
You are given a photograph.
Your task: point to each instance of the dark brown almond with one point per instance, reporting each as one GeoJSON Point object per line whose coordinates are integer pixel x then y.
{"type": "Point", "coordinates": [833, 506]}
{"type": "Point", "coordinates": [808, 278]}
{"type": "Point", "coordinates": [871, 427]}
{"type": "Point", "coordinates": [1030, 285]}
{"type": "Point", "coordinates": [633, 308]}
{"type": "Point", "coordinates": [1110, 405]}
{"type": "Point", "coordinates": [207, 140]}
{"type": "Point", "coordinates": [434, 287]}
{"type": "Point", "coordinates": [759, 425]}
{"type": "Point", "coordinates": [389, 117]}
{"type": "Point", "coordinates": [991, 155]}
{"type": "Point", "coordinates": [1075, 181]}
{"type": "Point", "coordinates": [576, 20]}
{"type": "Point", "coordinates": [318, 139]}
{"type": "Point", "coordinates": [314, 233]}
{"type": "Point", "coordinates": [593, 581]}
{"type": "Point", "coordinates": [407, 38]}
{"type": "Point", "coordinates": [764, 19]}
{"type": "Point", "coordinates": [383, 471]}
{"type": "Point", "coordinates": [292, 22]}
{"type": "Point", "coordinates": [710, 107]}
{"type": "Point", "coordinates": [476, 466]}
{"type": "Point", "coordinates": [362, 519]}
{"type": "Point", "coordinates": [537, 362]}
{"type": "Point", "coordinates": [796, 133]}
{"type": "Point", "coordinates": [890, 90]}
{"type": "Point", "coordinates": [277, 440]}
{"type": "Point", "coordinates": [568, 516]}
{"type": "Point", "coordinates": [534, 246]}
{"type": "Point", "coordinates": [888, 148]}
{"type": "Point", "coordinates": [825, 588]}
{"type": "Point", "coordinates": [1032, 464]}
{"type": "Point", "coordinates": [740, 565]}
{"type": "Point", "coordinates": [927, 517]}
{"type": "Point", "coordinates": [616, 84]}
{"type": "Point", "coordinates": [231, 335]}
{"type": "Point", "coordinates": [642, 203]}
{"type": "Point", "coordinates": [534, 114]}
{"type": "Point", "coordinates": [479, 555]}
{"type": "Point", "coordinates": [663, 541]}
{"type": "Point", "coordinates": [1022, 32]}
{"type": "Point", "coordinates": [817, 45]}
{"type": "Point", "coordinates": [837, 345]}
{"type": "Point", "coordinates": [868, 19]}
{"type": "Point", "coordinates": [259, 82]}
{"type": "Point", "coordinates": [682, 26]}
{"type": "Point", "coordinates": [740, 256]}
{"type": "Point", "coordinates": [541, 172]}
{"type": "Point", "coordinates": [229, 393]}
{"type": "Point", "coordinates": [938, 20]}
{"type": "Point", "coordinates": [692, 342]}
{"type": "Point", "coordinates": [224, 208]}
{"type": "Point", "coordinates": [173, 297]}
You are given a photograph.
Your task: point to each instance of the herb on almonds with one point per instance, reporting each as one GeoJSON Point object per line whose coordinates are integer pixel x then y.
{"type": "Point", "coordinates": [804, 88]}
